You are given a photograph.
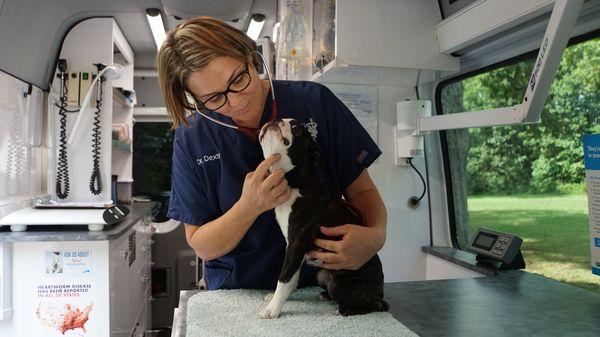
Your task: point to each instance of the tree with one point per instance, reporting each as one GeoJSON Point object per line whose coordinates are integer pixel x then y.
{"type": "Point", "coordinates": [537, 157]}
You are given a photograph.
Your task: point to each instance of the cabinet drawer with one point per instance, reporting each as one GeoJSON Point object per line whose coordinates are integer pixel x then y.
{"type": "Point", "coordinates": [130, 270]}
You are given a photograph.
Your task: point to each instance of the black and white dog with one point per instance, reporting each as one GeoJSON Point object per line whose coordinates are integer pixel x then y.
{"type": "Point", "coordinates": [310, 206]}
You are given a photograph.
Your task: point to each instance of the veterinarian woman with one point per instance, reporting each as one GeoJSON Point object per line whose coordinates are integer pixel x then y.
{"type": "Point", "coordinates": [222, 190]}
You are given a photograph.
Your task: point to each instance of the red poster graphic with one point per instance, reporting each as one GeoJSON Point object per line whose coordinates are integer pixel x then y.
{"type": "Point", "coordinates": [57, 309]}
{"type": "Point", "coordinates": [63, 319]}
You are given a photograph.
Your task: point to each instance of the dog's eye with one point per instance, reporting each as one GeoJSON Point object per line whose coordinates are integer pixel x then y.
{"type": "Point", "coordinates": [286, 141]}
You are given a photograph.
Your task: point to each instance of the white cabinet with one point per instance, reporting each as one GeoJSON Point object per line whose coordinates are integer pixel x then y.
{"type": "Point", "coordinates": [390, 33]}
{"type": "Point", "coordinates": [130, 276]}
{"type": "Point", "coordinates": [378, 33]}
{"type": "Point", "coordinates": [5, 280]}
{"type": "Point", "coordinates": [100, 287]}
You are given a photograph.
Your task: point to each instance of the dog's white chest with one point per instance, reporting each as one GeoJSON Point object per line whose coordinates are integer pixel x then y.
{"type": "Point", "coordinates": [283, 211]}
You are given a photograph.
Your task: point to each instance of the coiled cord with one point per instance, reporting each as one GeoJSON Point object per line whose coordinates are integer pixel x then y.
{"type": "Point", "coordinates": [15, 165]}
{"type": "Point", "coordinates": [62, 176]}
{"type": "Point", "coordinates": [96, 178]}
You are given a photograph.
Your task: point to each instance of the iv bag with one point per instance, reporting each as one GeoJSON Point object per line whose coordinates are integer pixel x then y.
{"type": "Point", "coordinates": [293, 47]}
{"type": "Point", "coordinates": [323, 47]}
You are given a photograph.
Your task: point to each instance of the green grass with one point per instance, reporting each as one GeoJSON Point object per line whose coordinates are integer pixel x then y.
{"type": "Point", "coordinates": [554, 229]}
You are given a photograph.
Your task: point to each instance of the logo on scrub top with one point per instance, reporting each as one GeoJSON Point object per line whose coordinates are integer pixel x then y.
{"type": "Point", "coordinates": [207, 158]}
{"type": "Point", "coordinates": [312, 128]}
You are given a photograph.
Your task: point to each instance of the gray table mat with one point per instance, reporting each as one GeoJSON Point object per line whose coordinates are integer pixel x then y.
{"type": "Point", "coordinates": [233, 313]}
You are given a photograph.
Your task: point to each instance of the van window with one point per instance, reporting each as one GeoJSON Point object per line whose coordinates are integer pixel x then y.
{"type": "Point", "coordinates": [153, 147]}
{"type": "Point", "coordinates": [528, 180]}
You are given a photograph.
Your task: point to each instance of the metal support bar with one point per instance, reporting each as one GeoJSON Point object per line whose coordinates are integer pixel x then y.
{"type": "Point", "coordinates": [562, 21]}
{"type": "Point", "coordinates": [474, 119]}
{"type": "Point", "coordinates": [563, 18]}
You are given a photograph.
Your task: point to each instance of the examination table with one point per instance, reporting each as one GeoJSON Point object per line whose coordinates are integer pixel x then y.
{"type": "Point", "coordinates": [504, 303]}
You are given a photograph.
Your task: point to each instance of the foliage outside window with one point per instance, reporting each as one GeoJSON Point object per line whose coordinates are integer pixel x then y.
{"type": "Point", "coordinates": [534, 169]}
{"type": "Point", "coordinates": [153, 144]}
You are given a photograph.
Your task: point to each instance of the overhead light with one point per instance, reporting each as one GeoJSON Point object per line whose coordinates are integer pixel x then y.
{"type": "Point", "coordinates": [256, 24]}
{"type": "Point", "coordinates": [275, 31]}
{"type": "Point", "coordinates": [156, 25]}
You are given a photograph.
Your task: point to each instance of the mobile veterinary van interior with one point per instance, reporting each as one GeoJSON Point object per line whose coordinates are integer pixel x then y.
{"type": "Point", "coordinates": [486, 113]}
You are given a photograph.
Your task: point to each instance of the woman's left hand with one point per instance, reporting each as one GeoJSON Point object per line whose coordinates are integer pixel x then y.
{"type": "Point", "coordinates": [357, 246]}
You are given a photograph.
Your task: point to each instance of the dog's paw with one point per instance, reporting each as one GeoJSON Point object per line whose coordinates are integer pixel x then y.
{"type": "Point", "coordinates": [268, 297]}
{"type": "Point", "coordinates": [345, 312]}
{"type": "Point", "coordinates": [269, 312]}
{"type": "Point", "coordinates": [324, 296]}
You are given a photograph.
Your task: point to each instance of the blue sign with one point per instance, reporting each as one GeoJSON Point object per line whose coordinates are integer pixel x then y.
{"type": "Point", "coordinates": [591, 159]}
{"type": "Point", "coordinates": [591, 152]}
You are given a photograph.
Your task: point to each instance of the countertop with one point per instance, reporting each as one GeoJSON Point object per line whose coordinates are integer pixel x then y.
{"type": "Point", "coordinates": [510, 303]}
{"type": "Point", "coordinates": [78, 233]}
{"type": "Point", "coordinates": [461, 258]}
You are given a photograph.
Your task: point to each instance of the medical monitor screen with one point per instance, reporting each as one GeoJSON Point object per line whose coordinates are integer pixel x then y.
{"type": "Point", "coordinates": [485, 241]}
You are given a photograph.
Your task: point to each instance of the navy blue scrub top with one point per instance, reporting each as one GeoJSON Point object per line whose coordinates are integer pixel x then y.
{"type": "Point", "coordinates": [210, 162]}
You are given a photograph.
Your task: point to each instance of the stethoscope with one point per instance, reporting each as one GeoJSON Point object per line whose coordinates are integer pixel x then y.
{"type": "Point", "coordinates": [244, 128]}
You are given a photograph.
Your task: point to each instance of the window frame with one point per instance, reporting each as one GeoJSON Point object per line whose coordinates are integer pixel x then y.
{"type": "Point", "coordinates": [442, 133]}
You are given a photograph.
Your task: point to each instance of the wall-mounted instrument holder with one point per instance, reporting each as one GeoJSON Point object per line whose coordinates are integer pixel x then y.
{"type": "Point", "coordinates": [83, 107]}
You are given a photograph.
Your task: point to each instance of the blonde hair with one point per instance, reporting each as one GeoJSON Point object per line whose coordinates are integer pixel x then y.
{"type": "Point", "coordinates": [191, 46]}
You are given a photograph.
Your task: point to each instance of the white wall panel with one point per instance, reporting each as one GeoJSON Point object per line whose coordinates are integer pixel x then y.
{"type": "Point", "coordinates": [20, 141]}
{"type": "Point", "coordinates": [407, 229]}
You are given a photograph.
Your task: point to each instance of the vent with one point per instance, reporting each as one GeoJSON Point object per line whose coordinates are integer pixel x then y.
{"type": "Point", "coordinates": [131, 248]}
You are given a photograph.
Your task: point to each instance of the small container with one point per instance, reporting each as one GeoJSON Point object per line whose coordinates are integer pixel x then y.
{"type": "Point", "coordinates": [124, 190]}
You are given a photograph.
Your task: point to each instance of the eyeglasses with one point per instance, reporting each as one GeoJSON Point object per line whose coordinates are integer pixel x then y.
{"type": "Point", "coordinates": [238, 84]}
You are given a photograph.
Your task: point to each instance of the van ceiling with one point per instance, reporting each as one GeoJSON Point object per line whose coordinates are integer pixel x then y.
{"type": "Point", "coordinates": [32, 31]}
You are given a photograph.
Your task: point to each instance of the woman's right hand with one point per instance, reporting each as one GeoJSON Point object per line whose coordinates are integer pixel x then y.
{"type": "Point", "coordinates": [262, 190]}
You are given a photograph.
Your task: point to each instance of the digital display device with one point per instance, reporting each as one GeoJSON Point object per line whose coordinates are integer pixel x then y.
{"type": "Point", "coordinates": [495, 245]}
{"type": "Point", "coordinates": [485, 241]}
